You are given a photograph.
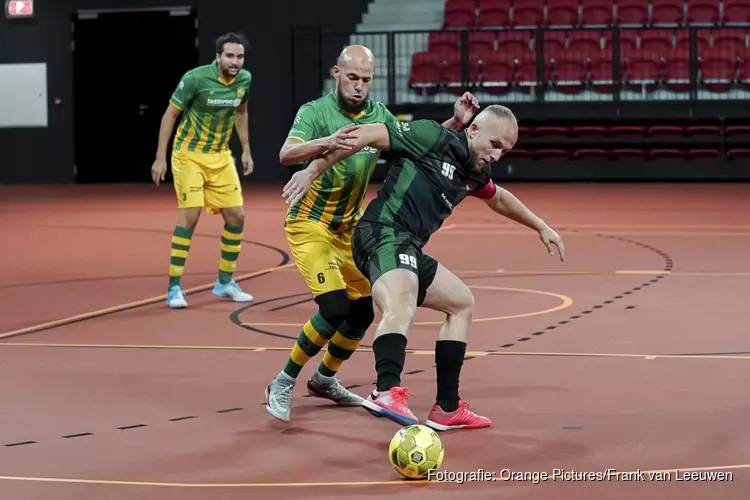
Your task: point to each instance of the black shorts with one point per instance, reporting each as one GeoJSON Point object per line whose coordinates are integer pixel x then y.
{"type": "Point", "coordinates": [378, 249]}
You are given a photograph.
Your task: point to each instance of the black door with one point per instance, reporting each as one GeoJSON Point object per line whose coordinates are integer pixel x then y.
{"type": "Point", "coordinates": [125, 67]}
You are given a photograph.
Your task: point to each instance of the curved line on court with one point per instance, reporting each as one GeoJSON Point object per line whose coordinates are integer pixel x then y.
{"type": "Point", "coordinates": [291, 484]}
{"type": "Point", "coordinates": [565, 302]}
{"type": "Point", "coordinates": [97, 313]}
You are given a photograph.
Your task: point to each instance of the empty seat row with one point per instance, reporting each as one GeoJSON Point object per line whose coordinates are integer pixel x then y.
{"type": "Point", "coordinates": [624, 154]}
{"type": "Point", "coordinates": [497, 13]}
{"type": "Point", "coordinates": [728, 41]}
{"type": "Point", "coordinates": [634, 131]}
{"type": "Point", "coordinates": [573, 72]}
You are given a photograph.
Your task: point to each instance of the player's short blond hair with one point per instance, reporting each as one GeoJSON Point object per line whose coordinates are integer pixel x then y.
{"type": "Point", "coordinates": [502, 112]}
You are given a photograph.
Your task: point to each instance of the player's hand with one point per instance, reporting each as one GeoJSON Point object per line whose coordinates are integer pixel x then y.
{"type": "Point", "coordinates": [247, 163]}
{"type": "Point", "coordinates": [344, 139]}
{"type": "Point", "coordinates": [158, 170]}
{"type": "Point", "coordinates": [549, 238]}
{"type": "Point", "coordinates": [465, 108]}
{"type": "Point", "coordinates": [297, 187]}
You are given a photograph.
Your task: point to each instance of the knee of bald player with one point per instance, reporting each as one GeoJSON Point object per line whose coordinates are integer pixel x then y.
{"type": "Point", "coordinates": [361, 313]}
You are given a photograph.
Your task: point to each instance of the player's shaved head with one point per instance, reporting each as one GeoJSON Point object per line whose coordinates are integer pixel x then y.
{"type": "Point", "coordinates": [493, 132]}
{"type": "Point", "coordinates": [356, 55]}
{"type": "Point", "coordinates": [353, 74]}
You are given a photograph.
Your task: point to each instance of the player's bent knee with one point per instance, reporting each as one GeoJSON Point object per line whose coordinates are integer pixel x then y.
{"type": "Point", "coordinates": [333, 307]}
{"type": "Point", "coordinates": [361, 313]}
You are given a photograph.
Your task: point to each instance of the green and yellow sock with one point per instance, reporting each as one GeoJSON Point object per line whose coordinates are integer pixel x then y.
{"type": "Point", "coordinates": [311, 340]}
{"type": "Point", "coordinates": [181, 238]}
{"type": "Point", "coordinates": [231, 242]}
{"type": "Point", "coordinates": [341, 347]}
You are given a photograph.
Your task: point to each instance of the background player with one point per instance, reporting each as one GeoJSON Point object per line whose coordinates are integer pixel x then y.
{"type": "Point", "coordinates": [435, 171]}
{"type": "Point", "coordinates": [319, 227]}
{"type": "Point", "coordinates": [212, 100]}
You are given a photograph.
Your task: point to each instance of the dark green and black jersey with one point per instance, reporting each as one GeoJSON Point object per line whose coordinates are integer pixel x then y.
{"type": "Point", "coordinates": [431, 175]}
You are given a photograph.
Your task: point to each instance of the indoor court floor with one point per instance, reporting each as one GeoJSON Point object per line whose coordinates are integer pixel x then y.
{"type": "Point", "coordinates": [627, 360]}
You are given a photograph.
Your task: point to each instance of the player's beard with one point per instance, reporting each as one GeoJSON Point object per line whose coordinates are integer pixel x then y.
{"type": "Point", "coordinates": [348, 106]}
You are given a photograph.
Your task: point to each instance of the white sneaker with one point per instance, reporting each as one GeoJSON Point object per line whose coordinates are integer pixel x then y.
{"type": "Point", "coordinates": [232, 291]}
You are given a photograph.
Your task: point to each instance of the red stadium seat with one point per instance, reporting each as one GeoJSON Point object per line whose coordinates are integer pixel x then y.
{"type": "Point", "coordinates": [481, 43]}
{"type": "Point", "coordinates": [569, 72]}
{"type": "Point", "coordinates": [426, 71]}
{"type": "Point", "coordinates": [703, 11]}
{"type": "Point", "coordinates": [517, 154]}
{"type": "Point", "coordinates": [682, 39]}
{"type": "Point", "coordinates": [642, 73]}
{"type": "Point", "coordinates": [666, 130]}
{"type": "Point", "coordinates": [737, 130]}
{"type": "Point", "coordinates": [632, 12]}
{"type": "Point", "coordinates": [562, 12]}
{"type": "Point", "coordinates": [551, 154]}
{"type": "Point", "coordinates": [668, 12]}
{"type": "Point", "coordinates": [554, 44]}
{"type": "Point", "coordinates": [677, 71]}
{"type": "Point", "coordinates": [739, 153]}
{"type": "Point", "coordinates": [703, 154]}
{"type": "Point", "coordinates": [627, 131]}
{"type": "Point", "coordinates": [516, 43]}
{"type": "Point", "coordinates": [629, 154]}
{"type": "Point", "coordinates": [597, 12]}
{"type": "Point", "coordinates": [591, 154]}
{"type": "Point", "coordinates": [703, 130]}
{"type": "Point", "coordinates": [601, 77]}
{"type": "Point", "coordinates": [589, 131]}
{"type": "Point", "coordinates": [526, 77]}
{"type": "Point", "coordinates": [550, 131]}
{"type": "Point", "coordinates": [666, 154]}
{"type": "Point", "coordinates": [446, 44]}
{"type": "Point", "coordinates": [528, 13]}
{"type": "Point", "coordinates": [497, 72]}
{"type": "Point", "coordinates": [718, 73]}
{"type": "Point", "coordinates": [493, 13]}
{"type": "Point", "coordinates": [736, 11]}
{"type": "Point", "coordinates": [459, 14]}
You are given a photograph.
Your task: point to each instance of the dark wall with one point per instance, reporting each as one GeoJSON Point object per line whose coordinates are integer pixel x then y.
{"type": "Point", "coordinates": [46, 155]}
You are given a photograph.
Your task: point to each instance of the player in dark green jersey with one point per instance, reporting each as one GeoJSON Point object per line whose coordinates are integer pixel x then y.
{"type": "Point", "coordinates": [436, 169]}
{"type": "Point", "coordinates": [320, 222]}
{"type": "Point", "coordinates": [213, 101]}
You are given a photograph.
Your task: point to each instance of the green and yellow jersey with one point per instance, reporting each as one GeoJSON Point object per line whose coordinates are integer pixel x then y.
{"type": "Point", "coordinates": [208, 105]}
{"type": "Point", "coordinates": [335, 198]}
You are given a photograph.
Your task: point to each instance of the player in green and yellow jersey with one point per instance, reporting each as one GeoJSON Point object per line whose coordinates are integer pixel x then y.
{"type": "Point", "coordinates": [319, 226]}
{"type": "Point", "coordinates": [213, 101]}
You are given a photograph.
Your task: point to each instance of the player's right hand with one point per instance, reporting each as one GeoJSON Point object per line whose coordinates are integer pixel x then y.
{"type": "Point", "coordinates": [158, 171]}
{"type": "Point", "coordinates": [344, 139]}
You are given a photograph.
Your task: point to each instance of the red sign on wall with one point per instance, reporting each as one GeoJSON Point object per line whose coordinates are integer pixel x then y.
{"type": "Point", "coordinates": [19, 8]}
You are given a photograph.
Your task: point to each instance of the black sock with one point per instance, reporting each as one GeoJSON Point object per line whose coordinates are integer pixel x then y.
{"type": "Point", "coordinates": [390, 355]}
{"type": "Point", "coordinates": [449, 358]}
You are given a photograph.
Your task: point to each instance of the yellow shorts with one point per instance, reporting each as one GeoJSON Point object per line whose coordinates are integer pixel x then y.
{"type": "Point", "coordinates": [325, 259]}
{"type": "Point", "coordinates": [207, 180]}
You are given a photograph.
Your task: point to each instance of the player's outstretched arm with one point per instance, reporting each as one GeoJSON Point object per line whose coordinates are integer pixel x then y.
{"type": "Point", "coordinates": [296, 150]}
{"type": "Point", "coordinates": [373, 135]}
{"type": "Point", "coordinates": [506, 204]}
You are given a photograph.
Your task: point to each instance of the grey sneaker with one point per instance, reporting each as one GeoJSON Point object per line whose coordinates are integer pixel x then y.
{"type": "Point", "coordinates": [332, 390]}
{"type": "Point", "coordinates": [279, 398]}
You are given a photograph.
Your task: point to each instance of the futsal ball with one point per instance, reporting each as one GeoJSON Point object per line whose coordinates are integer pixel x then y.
{"type": "Point", "coordinates": [415, 450]}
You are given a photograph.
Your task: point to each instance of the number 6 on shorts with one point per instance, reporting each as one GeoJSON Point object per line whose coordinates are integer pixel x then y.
{"type": "Point", "coordinates": [408, 260]}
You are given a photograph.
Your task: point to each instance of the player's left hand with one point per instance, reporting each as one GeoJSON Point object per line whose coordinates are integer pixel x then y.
{"type": "Point", "coordinates": [247, 163]}
{"type": "Point", "coordinates": [465, 108]}
{"type": "Point", "coordinates": [297, 187]}
{"type": "Point", "coordinates": [549, 238]}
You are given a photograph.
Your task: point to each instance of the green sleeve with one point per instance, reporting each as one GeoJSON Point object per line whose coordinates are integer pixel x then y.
{"type": "Point", "coordinates": [246, 88]}
{"type": "Point", "coordinates": [413, 139]}
{"type": "Point", "coordinates": [184, 93]}
{"type": "Point", "coordinates": [305, 126]}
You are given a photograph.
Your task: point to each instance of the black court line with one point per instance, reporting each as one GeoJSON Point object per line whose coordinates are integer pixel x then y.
{"type": "Point", "coordinates": [285, 258]}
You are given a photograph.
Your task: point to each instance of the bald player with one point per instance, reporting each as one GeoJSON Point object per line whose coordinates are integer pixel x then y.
{"type": "Point", "coordinates": [319, 226]}
{"type": "Point", "coordinates": [435, 170]}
